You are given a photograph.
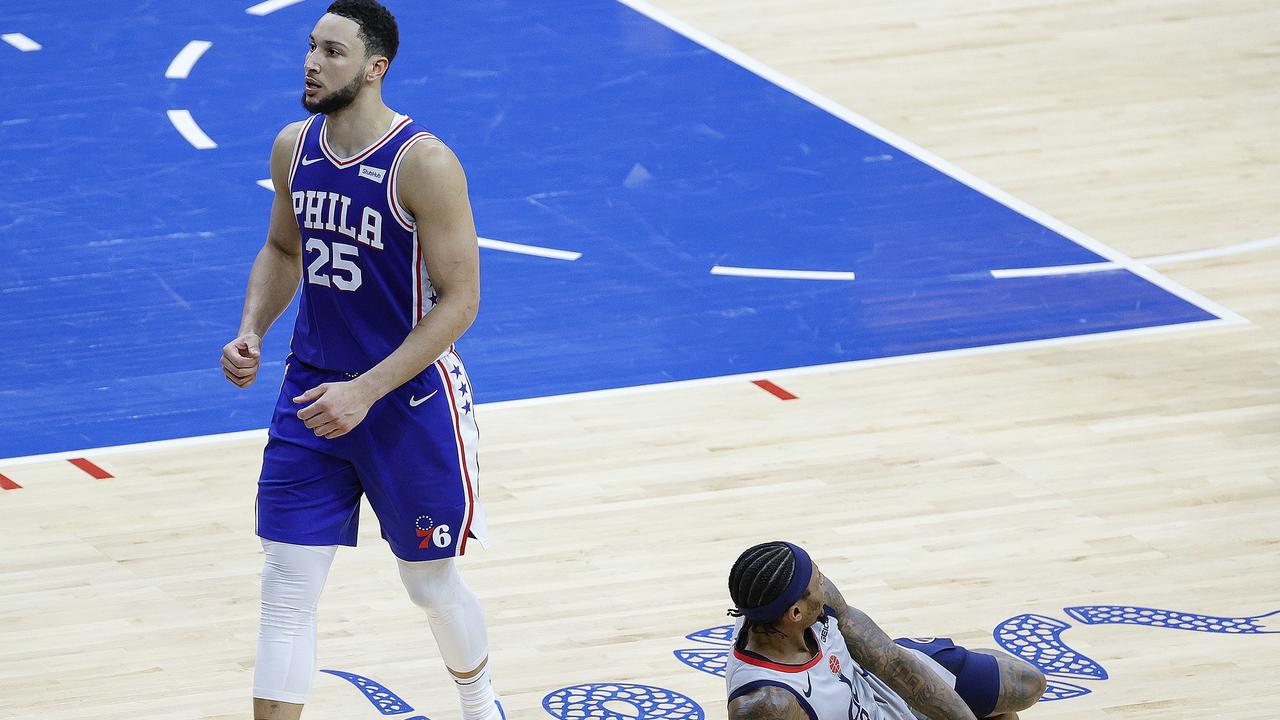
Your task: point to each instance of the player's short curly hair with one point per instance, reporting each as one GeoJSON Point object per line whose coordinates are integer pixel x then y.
{"type": "Point", "coordinates": [378, 29]}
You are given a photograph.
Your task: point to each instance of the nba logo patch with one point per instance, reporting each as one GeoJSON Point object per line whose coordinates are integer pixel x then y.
{"type": "Point", "coordinates": [373, 173]}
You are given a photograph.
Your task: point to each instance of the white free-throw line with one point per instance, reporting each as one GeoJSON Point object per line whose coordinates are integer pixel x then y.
{"type": "Point", "coordinates": [266, 184]}
{"type": "Point", "coordinates": [1054, 270]}
{"type": "Point", "coordinates": [1153, 260]}
{"type": "Point", "coordinates": [180, 66]}
{"type": "Point", "coordinates": [186, 125]}
{"type": "Point", "coordinates": [22, 42]}
{"type": "Point", "coordinates": [529, 250]}
{"type": "Point", "coordinates": [270, 6]}
{"type": "Point", "coordinates": [783, 274]}
{"type": "Point", "coordinates": [819, 100]}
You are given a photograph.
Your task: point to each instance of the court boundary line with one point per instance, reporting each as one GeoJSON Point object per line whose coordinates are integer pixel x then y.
{"type": "Point", "coordinates": [802, 91]}
{"type": "Point", "coordinates": [746, 378]}
{"type": "Point", "coordinates": [1170, 259]}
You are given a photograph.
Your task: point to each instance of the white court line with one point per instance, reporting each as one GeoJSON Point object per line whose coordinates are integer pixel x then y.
{"type": "Point", "coordinates": [659, 387]}
{"type": "Point", "coordinates": [266, 184]}
{"type": "Point", "coordinates": [783, 274]}
{"type": "Point", "coordinates": [186, 125]}
{"type": "Point", "coordinates": [1153, 260]}
{"type": "Point", "coordinates": [270, 6]}
{"type": "Point", "coordinates": [1054, 270]}
{"type": "Point", "coordinates": [22, 42]}
{"type": "Point", "coordinates": [529, 250]}
{"type": "Point", "coordinates": [180, 66]}
{"type": "Point", "coordinates": [799, 90]}
{"type": "Point", "coordinates": [1213, 252]}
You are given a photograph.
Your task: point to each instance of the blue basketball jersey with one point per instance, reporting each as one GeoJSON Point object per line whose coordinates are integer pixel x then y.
{"type": "Point", "coordinates": [364, 284]}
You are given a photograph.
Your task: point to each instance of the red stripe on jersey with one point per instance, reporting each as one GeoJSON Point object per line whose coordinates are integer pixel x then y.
{"type": "Point", "coordinates": [297, 149]}
{"type": "Point", "coordinates": [753, 659]}
{"type": "Point", "coordinates": [392, 198]}
{"type": "Point", "coordinates": [462, 456]}
{"type": "Point", "coordinates": [7, 484]}
{"type": "Point", "coordinates": [333, 157]}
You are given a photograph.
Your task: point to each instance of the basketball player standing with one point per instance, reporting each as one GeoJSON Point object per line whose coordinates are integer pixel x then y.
{"type": "Point", "coordinates": [371, 214]}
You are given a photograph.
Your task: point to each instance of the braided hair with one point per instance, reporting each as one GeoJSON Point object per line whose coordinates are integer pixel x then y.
{"type": "Point", "coordinates": [760, 574]}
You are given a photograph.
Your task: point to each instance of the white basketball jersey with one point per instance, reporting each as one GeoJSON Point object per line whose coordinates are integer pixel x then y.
{"type": "Point", "coordinates": [831, 686]}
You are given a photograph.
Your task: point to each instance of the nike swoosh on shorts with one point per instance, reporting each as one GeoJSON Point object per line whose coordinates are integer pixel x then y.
{"type": "Point", "coordinates": [415, 402]}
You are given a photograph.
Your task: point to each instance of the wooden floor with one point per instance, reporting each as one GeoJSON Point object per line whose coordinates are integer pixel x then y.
{"type": "Point", "coordinates": [942, 496]}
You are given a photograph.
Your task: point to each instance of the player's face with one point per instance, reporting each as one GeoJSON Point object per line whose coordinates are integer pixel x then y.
{"type": "Point", "coordinates": [814, 601]}
{"type": "Point", "coordinates": [335, 66]}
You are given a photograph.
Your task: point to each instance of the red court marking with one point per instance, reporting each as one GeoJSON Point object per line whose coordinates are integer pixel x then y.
{"type": "Point", "coordinates": [774, 389]}
{"type": "Point", "coordinates": [7, 484]}
{"type": "Point", "coordinates": [97, 472]}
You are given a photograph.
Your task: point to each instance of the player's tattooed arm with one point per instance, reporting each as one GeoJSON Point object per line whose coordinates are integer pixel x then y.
{"type": "Point", "coordinates": [876, 652]}
{"type": "Point", "coordinates": [766, 703]}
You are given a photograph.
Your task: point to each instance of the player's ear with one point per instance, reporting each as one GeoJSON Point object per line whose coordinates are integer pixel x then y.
{"type": "Point", "coordinates": [376, 68]}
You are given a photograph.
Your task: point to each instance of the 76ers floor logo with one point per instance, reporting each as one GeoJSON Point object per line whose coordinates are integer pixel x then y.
{"type": "Point", "coordinates": [431, 533]}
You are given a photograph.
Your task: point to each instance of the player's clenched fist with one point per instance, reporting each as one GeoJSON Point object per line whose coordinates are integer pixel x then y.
{"type": "Point", "coordinates": [337, 409]}
{"type": "Point", "coordinates": [240, 359]}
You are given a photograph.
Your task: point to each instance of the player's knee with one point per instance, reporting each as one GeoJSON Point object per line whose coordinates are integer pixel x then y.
{"type": "Point", "coordinates": [431, 585]}
{"type": "Point", "coordinates": [1028, 684]}
{"type": "Point", "coordinates": [292, 578]}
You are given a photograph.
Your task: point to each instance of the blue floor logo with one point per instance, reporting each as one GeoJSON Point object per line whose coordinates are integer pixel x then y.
{"type": "Point", "coordinates": [1034, 638]}
{"type": "Point", "coordinates": [588, 701]}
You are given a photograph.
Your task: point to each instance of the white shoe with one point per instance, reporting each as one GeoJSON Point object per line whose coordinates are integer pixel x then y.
{"type": "Point", "coordinates": [497, 713]}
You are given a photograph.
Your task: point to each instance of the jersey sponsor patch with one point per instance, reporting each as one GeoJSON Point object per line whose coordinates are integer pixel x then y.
{"type": "Point", "coordinates": [373, 173]}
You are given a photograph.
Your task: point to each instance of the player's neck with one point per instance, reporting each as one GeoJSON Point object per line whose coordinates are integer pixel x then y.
{"type": "Point", "coordinates": [792, 646]}
{"type": "Point", "coordinates": [358, 125]}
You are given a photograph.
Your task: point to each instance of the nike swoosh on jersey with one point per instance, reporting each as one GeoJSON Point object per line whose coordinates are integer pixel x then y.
{"type": "Point", "coordinates": [415, 402]}
{"type": "Point", "coordinates": [808, 692]}
{"type": "Point", "coordinates": [310, 161]}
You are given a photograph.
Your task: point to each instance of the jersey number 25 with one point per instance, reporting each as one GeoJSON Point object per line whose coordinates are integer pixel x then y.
{"type": "Point", "coordinates": [343, 262]}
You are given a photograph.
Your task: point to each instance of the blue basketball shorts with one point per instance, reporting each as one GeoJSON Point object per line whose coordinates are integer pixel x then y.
{"type": "Point", "coordinates": [414, 456]}
{"type": "Point", "coordinates": [977, 675]}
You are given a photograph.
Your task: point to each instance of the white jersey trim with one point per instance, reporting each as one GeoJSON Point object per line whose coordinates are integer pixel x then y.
{"type": "Point", "coordinates": [297, 149]}
{"type": "Point", "coordinates": [398, 123]}
{"type": "Point", "coordinates": [402, 215]}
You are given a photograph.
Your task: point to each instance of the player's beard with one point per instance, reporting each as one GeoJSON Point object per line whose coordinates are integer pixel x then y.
{"type": "Point", "coordinates": [340, 98]}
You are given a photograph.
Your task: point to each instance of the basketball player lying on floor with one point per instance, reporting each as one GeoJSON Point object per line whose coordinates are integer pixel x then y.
{"type": "Point", "coordinates": [788, 664]}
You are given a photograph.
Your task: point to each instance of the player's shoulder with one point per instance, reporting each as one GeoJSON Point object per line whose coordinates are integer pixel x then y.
{"type": "Point", "coordinates": [429, 154]}
{"type": "Point", "coordinates": [429, 166]}
{"type": "Point", "coordinates": [766, 702]}
{"type": "Point", "coordinates": [288, 134]}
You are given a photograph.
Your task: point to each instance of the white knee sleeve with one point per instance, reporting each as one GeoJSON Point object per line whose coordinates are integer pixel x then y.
{"type": "Point", "coordinates": [292, 579]}
{"type": "Point", "coordinates": [454, 613]}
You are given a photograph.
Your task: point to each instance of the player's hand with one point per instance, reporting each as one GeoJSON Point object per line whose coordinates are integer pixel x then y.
{"type": "Point", "coordinates": [240, 359]}
{"type": "Point", "coordinates": [335, 409]}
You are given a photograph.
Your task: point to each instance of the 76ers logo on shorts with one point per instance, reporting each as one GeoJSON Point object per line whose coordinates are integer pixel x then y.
{"type": "Point", "coordinates": [431, 533]}
{"type": "Point", "coordinates": [834, 663]}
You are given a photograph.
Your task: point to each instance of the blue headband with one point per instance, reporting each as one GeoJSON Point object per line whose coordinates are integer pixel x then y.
{"type": "Point", "coordinates": [791, 595]}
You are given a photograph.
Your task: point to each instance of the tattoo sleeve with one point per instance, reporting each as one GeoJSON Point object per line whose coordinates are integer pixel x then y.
{"type": "Point", "coordinates": [900, 669]}
{"type": "Point", "coordinates": [767, 703]}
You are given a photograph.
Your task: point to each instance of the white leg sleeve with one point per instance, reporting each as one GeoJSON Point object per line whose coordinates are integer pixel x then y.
{"type": "Point", "coordinates": [292, 579]}
{"type": "Point", "coordinates": [454, 613]}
